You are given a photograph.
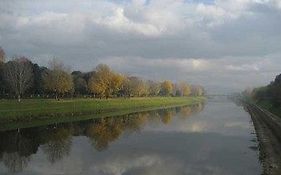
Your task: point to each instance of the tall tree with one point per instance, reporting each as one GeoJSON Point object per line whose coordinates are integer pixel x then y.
{"type": "Point", "coordinates": [105, 82]}
{"type": "Point", "coordinates": [19, 75]}
{"type": "Point", "coordinates": [166, 88]}
{"type": "Point", "coordinates": [80, 84]}
{"type": "Point", "coordinates": [184, 89]}
{"type": "Point", "coordinates": [2, 82]}
{"type": "Point", "coordinates": [57, 80]}
{"type": "Point", "coordinates": [153, 88]}
{"type": "Point", "coordinates": [135, 87]}
{"type": "Point", "coordinates": [2, 55]}
{"type": "Point", "coordinates": [197, 90]}
{"type": "Point", "coordinates": [38, 85]}
{"type": "Point", "coordinates": [99, 82]}
{"type": "Point", "coordinates": [116, 83]}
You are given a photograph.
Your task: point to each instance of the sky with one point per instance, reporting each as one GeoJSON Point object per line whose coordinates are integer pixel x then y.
{"type": "Point", "coordinates": [224, 45]}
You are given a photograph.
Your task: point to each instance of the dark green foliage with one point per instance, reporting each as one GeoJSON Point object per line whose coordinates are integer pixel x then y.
{"type": "Point", "coordinates": [271, 93]}
{"type": "Point", "coordinates": [80, 83]}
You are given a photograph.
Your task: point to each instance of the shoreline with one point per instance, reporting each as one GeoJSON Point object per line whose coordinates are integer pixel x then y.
{"type": "Point", "coordinates": [268, 131]}
{"type": "Point", "coordinates": [113, 107]}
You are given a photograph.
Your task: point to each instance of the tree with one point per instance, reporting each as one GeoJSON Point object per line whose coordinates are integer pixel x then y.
{"type": "Point", "coordinates": [105, 82]}
{"type": "Point", "coordinates": [126, 89]}
{"type": "Point", "coordinates": [80, 84]}
{"type": "Point", "coordinates": [166, 88]}
{"type": "Point", "coordinates": [197, 90]}
{"type": "Point", "coordinates": [57, 80]}
{"type": "Point", "coordinates": [134, 86]}
{"type": "Point", "coordinates": [38, 85]}
{"type": "Point", "coordinates": [138, 87]}
{"type": "Point", "coordinates": [116, 83]}
{"type": "Point", "coordinates": [99, 82]}
{"type": "Point", "coordinates": [2, 80]}
{"type": "Point", "coordinates": [184, 89]}
{"type": "Point", "coordinates": [19, 75]}
{"type": "Point", "coordinates": [2, 55]}
{"type": "Point", "coordinates": [153, 88]}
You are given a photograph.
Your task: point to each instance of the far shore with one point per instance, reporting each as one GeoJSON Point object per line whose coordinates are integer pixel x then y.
{"type": "Point", "coordinates": [45, 110]}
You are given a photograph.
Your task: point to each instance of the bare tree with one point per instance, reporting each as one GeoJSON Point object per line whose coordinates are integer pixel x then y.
{"type": "Point", "coordinates": [19, 75]}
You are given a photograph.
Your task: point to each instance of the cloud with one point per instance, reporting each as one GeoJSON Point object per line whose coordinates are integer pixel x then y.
{"type": "Point", "coordinates": [205, 39]}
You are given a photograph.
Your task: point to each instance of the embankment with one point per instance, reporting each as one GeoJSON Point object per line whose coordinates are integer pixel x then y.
{"type": "Point", "coordinates": [268, 130]}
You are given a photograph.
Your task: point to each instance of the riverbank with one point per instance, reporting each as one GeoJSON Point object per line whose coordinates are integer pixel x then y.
{"type": "Point", "coordinates": [266, 104]}
{"type": "Point", "coordinates": [31, 109]}
{"type": "Point", "coordinates": [268, 130]}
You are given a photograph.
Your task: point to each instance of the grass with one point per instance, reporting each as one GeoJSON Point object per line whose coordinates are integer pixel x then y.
{"type": "Point", "coordinates": [267, 105]}
{"type": "Point", "coordinates": [37, 109]}
{"type": "Point", "coordinates": [270, 107]}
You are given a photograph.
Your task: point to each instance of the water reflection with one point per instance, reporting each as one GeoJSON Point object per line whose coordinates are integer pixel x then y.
{"type": "Point", "coordinates": [55, 141]}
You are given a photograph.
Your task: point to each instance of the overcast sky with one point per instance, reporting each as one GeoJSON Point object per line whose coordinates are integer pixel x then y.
{"type": "Point", "coordinates": [225, 45]}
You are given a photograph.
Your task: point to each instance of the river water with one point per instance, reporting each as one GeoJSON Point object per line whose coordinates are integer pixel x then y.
{"type": "Point", "coordinates": [212, 138]}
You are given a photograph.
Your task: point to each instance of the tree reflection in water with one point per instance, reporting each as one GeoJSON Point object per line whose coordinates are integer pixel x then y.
{"type": "Point", "coordinates": [58, 144]}
{"type": "Point", "coordinates": [17, 146]}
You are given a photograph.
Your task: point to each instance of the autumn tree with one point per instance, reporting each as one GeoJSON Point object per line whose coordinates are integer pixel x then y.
{"type": "Point", "coordinates": [105, 82]}
{"type": "Point", "coordinates": [57, 79]}
{"type": "Point", "coordinates": [135, 87]}
{"type": "Point", "coordinates": [100, 81]}
{"type": "Point", "coordinates": [197, 90]}
{"type": "Point", "coordinates": [153, 88]}
{"type": "Point", "coordinates": [116, 83]}
{"type": "Point", "coordinates": [126, 89]}
{"type": "Point", "coordinates": [184, 89]}
{"type": "Point", "coordinates": [166, 88]}
{"type": "Point", "coordinates": [18, 74]}
{"type": "Point", "coordinates": [138, 86]}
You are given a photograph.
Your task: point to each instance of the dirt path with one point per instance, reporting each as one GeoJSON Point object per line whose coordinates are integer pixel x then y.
{"type": "Point", "coordinates": [268, 129]}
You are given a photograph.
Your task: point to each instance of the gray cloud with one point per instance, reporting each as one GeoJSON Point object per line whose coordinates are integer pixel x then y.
{"type": "Point", "coordinates": [227, 45]}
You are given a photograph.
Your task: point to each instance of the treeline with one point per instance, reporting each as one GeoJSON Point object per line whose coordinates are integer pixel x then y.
{"type": "Point", "coordinates": [271, 92]}
{"type": "Point", "coordinates": [22, 78]}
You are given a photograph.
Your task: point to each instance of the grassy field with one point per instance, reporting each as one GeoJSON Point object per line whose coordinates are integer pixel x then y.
{"type": "Point", "coordinates": [28, 110]}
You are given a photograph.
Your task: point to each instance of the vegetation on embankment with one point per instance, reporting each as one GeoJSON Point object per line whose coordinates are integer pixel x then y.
{"type": "Point", "coordinates": [31, 109]}
{"type": "Point", "coordinates": [268, 97]}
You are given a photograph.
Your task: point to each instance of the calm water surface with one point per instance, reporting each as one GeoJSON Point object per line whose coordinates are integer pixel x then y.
{"type": "Point", "coordinates": [215, 138]}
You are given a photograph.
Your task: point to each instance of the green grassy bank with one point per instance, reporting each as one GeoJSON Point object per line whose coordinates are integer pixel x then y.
{"type": "Point", "coordinates": [31, 109]}
{"type": "Point", "coordinates": [265, 104]}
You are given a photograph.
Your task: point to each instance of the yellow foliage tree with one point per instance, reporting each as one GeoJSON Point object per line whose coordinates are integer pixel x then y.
{"type": "Point", "coordinates": [166, 88]}
{"type": "Point", "coordinates": [105, 82]}
{"type": "Point", "coordinates": [185, 89]}
{"type": "Point", "coordinates": [57, 80]}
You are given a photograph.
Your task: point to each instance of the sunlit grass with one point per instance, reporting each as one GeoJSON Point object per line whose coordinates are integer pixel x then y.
{"type": "Point", "coordinates": [44, 108]}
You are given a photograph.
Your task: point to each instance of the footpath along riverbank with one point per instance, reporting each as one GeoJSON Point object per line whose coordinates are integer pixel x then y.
{"type": "Point", "coordinates": [268, 130]}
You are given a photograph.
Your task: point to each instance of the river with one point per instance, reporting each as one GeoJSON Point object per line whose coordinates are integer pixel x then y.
{"type": "Point", "coordinates": [213, 138]}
